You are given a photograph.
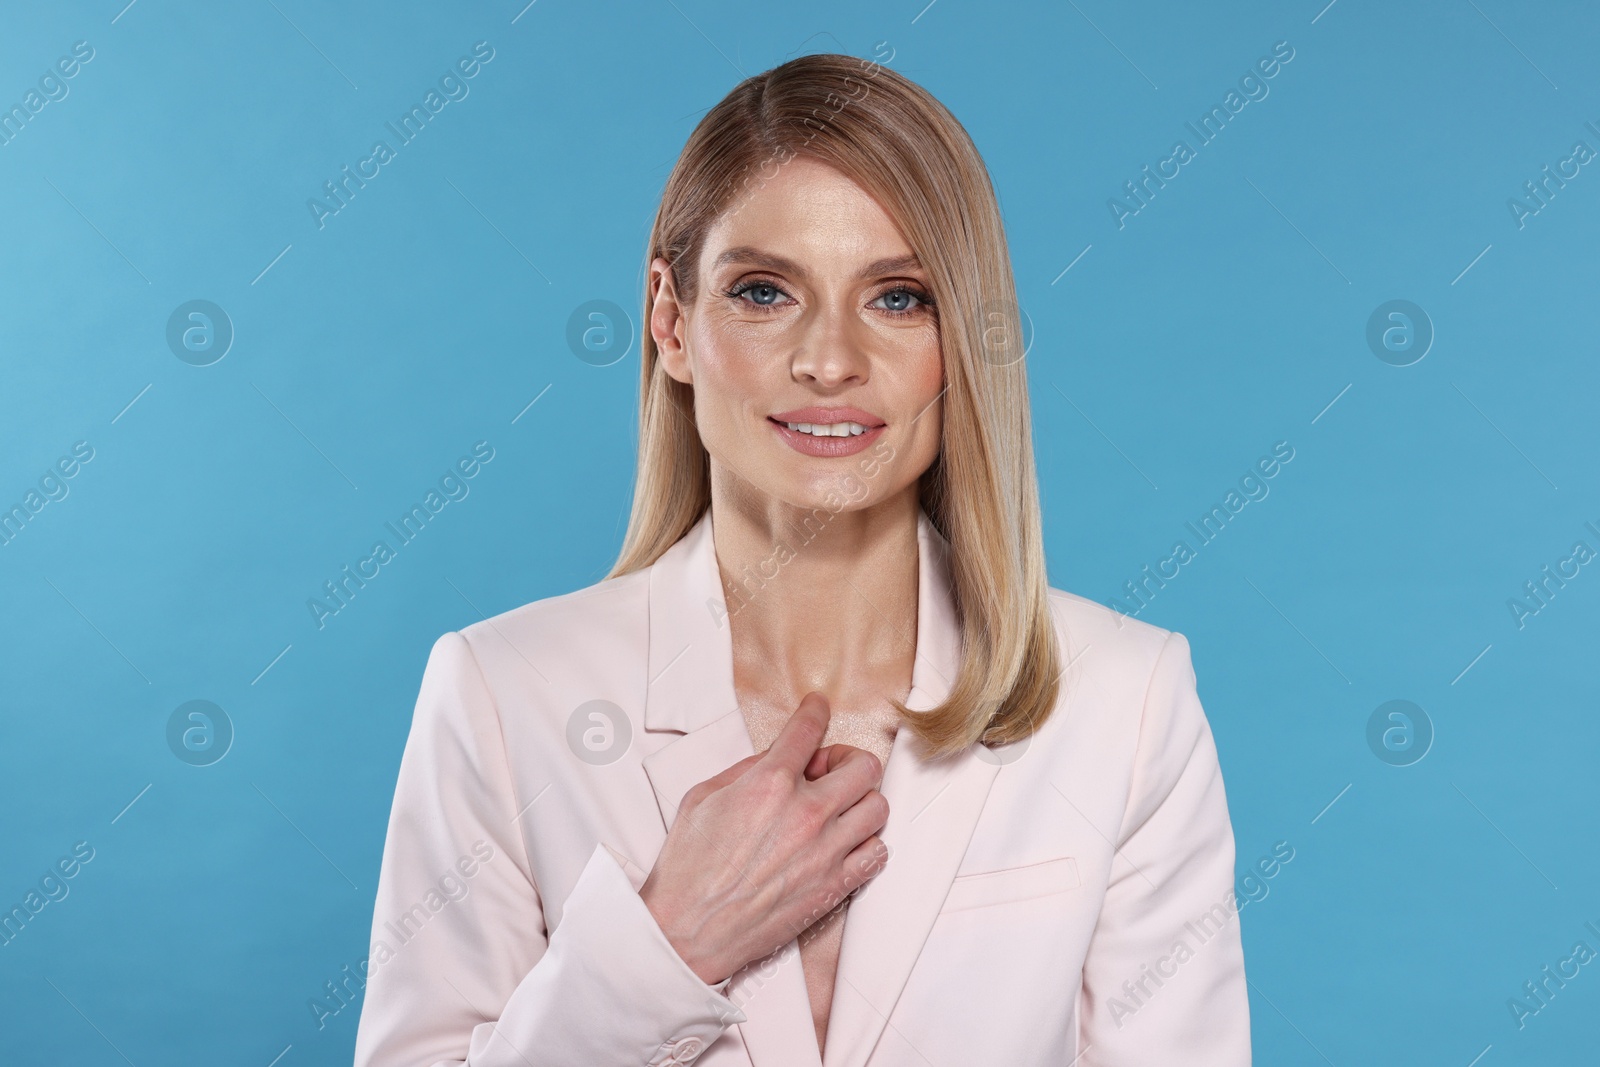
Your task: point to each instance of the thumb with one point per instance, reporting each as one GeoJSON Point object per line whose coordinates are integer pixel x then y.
{"type": "Point", "coordinates": [797, 742]}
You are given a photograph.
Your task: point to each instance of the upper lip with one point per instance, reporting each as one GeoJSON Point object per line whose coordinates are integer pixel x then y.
{"type": "Point", "coordinates": [820, 416]}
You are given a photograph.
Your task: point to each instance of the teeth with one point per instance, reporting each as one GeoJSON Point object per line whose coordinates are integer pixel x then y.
{"type": "Point", "coordinates": [828, 429]}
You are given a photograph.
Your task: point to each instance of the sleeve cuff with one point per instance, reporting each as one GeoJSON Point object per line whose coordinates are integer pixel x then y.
{"type": "Point", "coordinates": [612, 985]}
{"type": "Point", "coordinates": [620, 897]}
{"type": "Point", "coordinates": [636, 877]}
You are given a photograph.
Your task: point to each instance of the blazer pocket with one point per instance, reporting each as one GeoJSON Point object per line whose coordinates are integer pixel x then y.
{"type": "Point", "coordinates": [1013, 883]}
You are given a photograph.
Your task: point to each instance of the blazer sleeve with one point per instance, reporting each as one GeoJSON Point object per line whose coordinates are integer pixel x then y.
{"type": "Point", "coordinates": [464, 969]}
{"type": "Point", "coordinates": [1163, 979]}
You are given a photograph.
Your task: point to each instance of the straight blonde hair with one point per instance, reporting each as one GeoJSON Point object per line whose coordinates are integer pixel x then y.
{"type": "Point", "coordinates": [896, 141]}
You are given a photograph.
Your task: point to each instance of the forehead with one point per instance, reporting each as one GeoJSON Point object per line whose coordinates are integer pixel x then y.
{"type": "Point", "coordinates": [810, 213]}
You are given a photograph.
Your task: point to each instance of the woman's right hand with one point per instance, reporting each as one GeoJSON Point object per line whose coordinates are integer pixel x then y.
{"type": "Point", "coordinates": [767, 847]}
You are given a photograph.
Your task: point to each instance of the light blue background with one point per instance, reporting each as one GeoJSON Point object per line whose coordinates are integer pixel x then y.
{"type": "Point", "coordinates": [1225, 316]}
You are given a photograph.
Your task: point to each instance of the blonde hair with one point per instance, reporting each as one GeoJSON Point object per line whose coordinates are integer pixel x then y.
{"type": "Point", "coordinates": [896, 141]}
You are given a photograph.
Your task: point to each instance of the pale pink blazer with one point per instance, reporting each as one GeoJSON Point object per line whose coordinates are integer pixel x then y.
{"type": "Point", "coordinates": [1066, 900]}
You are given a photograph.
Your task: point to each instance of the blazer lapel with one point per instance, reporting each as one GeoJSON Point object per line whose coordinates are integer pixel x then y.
{"type": "Point", "coordinates": [933, 806]}
{"type": "Point", "coordinates": [691, 689]}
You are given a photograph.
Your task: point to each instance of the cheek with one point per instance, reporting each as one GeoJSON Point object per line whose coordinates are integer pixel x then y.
{"type": "Point", "coordinates": [728, 364]}
{"type": "Point", "coordinates": [926, 358]}
{"type": "Point", "coordinates": [930, 378]}
{"type": "Point", "coordinates": [926, 381]}
{"type": "Point", "coordinates": [727, 385]}
{"type": "Point", "coordinates": [730, 354]}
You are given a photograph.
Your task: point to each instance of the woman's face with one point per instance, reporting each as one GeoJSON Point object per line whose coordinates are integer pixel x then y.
{"type": "Point", "coordinates": [812, 323]}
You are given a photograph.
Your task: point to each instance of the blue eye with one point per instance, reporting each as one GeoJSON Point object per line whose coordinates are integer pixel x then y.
{"type": "Point", "coordinates": [900, 295]}
{"type": "Point", "coordinates": [899, 300]}
{"type": "Point", "coordinates": [903, 301]}
{"type": "Point", "coordinates": [765, 293]}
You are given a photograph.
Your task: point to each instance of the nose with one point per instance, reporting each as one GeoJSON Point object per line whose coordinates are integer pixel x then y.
{"type": "Point", "coordinates": [832, 350]}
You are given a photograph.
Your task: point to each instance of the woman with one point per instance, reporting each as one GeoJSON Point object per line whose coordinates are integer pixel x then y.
{"type": "Point", "coordinates": [823, 772]}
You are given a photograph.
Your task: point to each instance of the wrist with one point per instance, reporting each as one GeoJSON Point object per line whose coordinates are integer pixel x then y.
{"type": "Point", "coordinates": [708, 971]}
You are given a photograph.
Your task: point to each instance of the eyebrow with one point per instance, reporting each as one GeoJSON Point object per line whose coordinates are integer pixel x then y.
{"type": "Point", "coordinates": [757, 258]}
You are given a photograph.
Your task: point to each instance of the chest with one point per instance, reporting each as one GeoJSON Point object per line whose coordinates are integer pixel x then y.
{"type": "Point", "coordinates": [868, 725]}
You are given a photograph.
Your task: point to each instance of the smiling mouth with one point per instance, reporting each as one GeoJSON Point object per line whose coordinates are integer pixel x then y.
{"type": "Point", "coordinates": [826, 429]}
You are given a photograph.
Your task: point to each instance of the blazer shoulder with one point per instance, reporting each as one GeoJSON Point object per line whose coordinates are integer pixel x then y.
{"type": "Point", "coordinates": [1136, 681]}
{"type": "Point", "coordinates": [1126, 657]}
{"type": "Point", "coordinates": [1083, 622]}
{"type": "Point", "coordinates": [558, 629]}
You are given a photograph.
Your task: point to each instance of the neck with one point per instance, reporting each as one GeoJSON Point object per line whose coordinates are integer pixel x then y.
{"type": "Point", "coordinates": [820, 599]}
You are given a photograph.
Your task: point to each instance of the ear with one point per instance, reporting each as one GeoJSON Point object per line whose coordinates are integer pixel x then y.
{"type": "Point", "coordinates": [667, 322]}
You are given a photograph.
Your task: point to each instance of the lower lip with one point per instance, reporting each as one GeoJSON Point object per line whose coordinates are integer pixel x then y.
{"type": "Point", "coordinates": [825, 446]}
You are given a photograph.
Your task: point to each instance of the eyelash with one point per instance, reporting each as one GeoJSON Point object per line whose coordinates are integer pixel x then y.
{"type": "Point", "coordinates": [925, 301]}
